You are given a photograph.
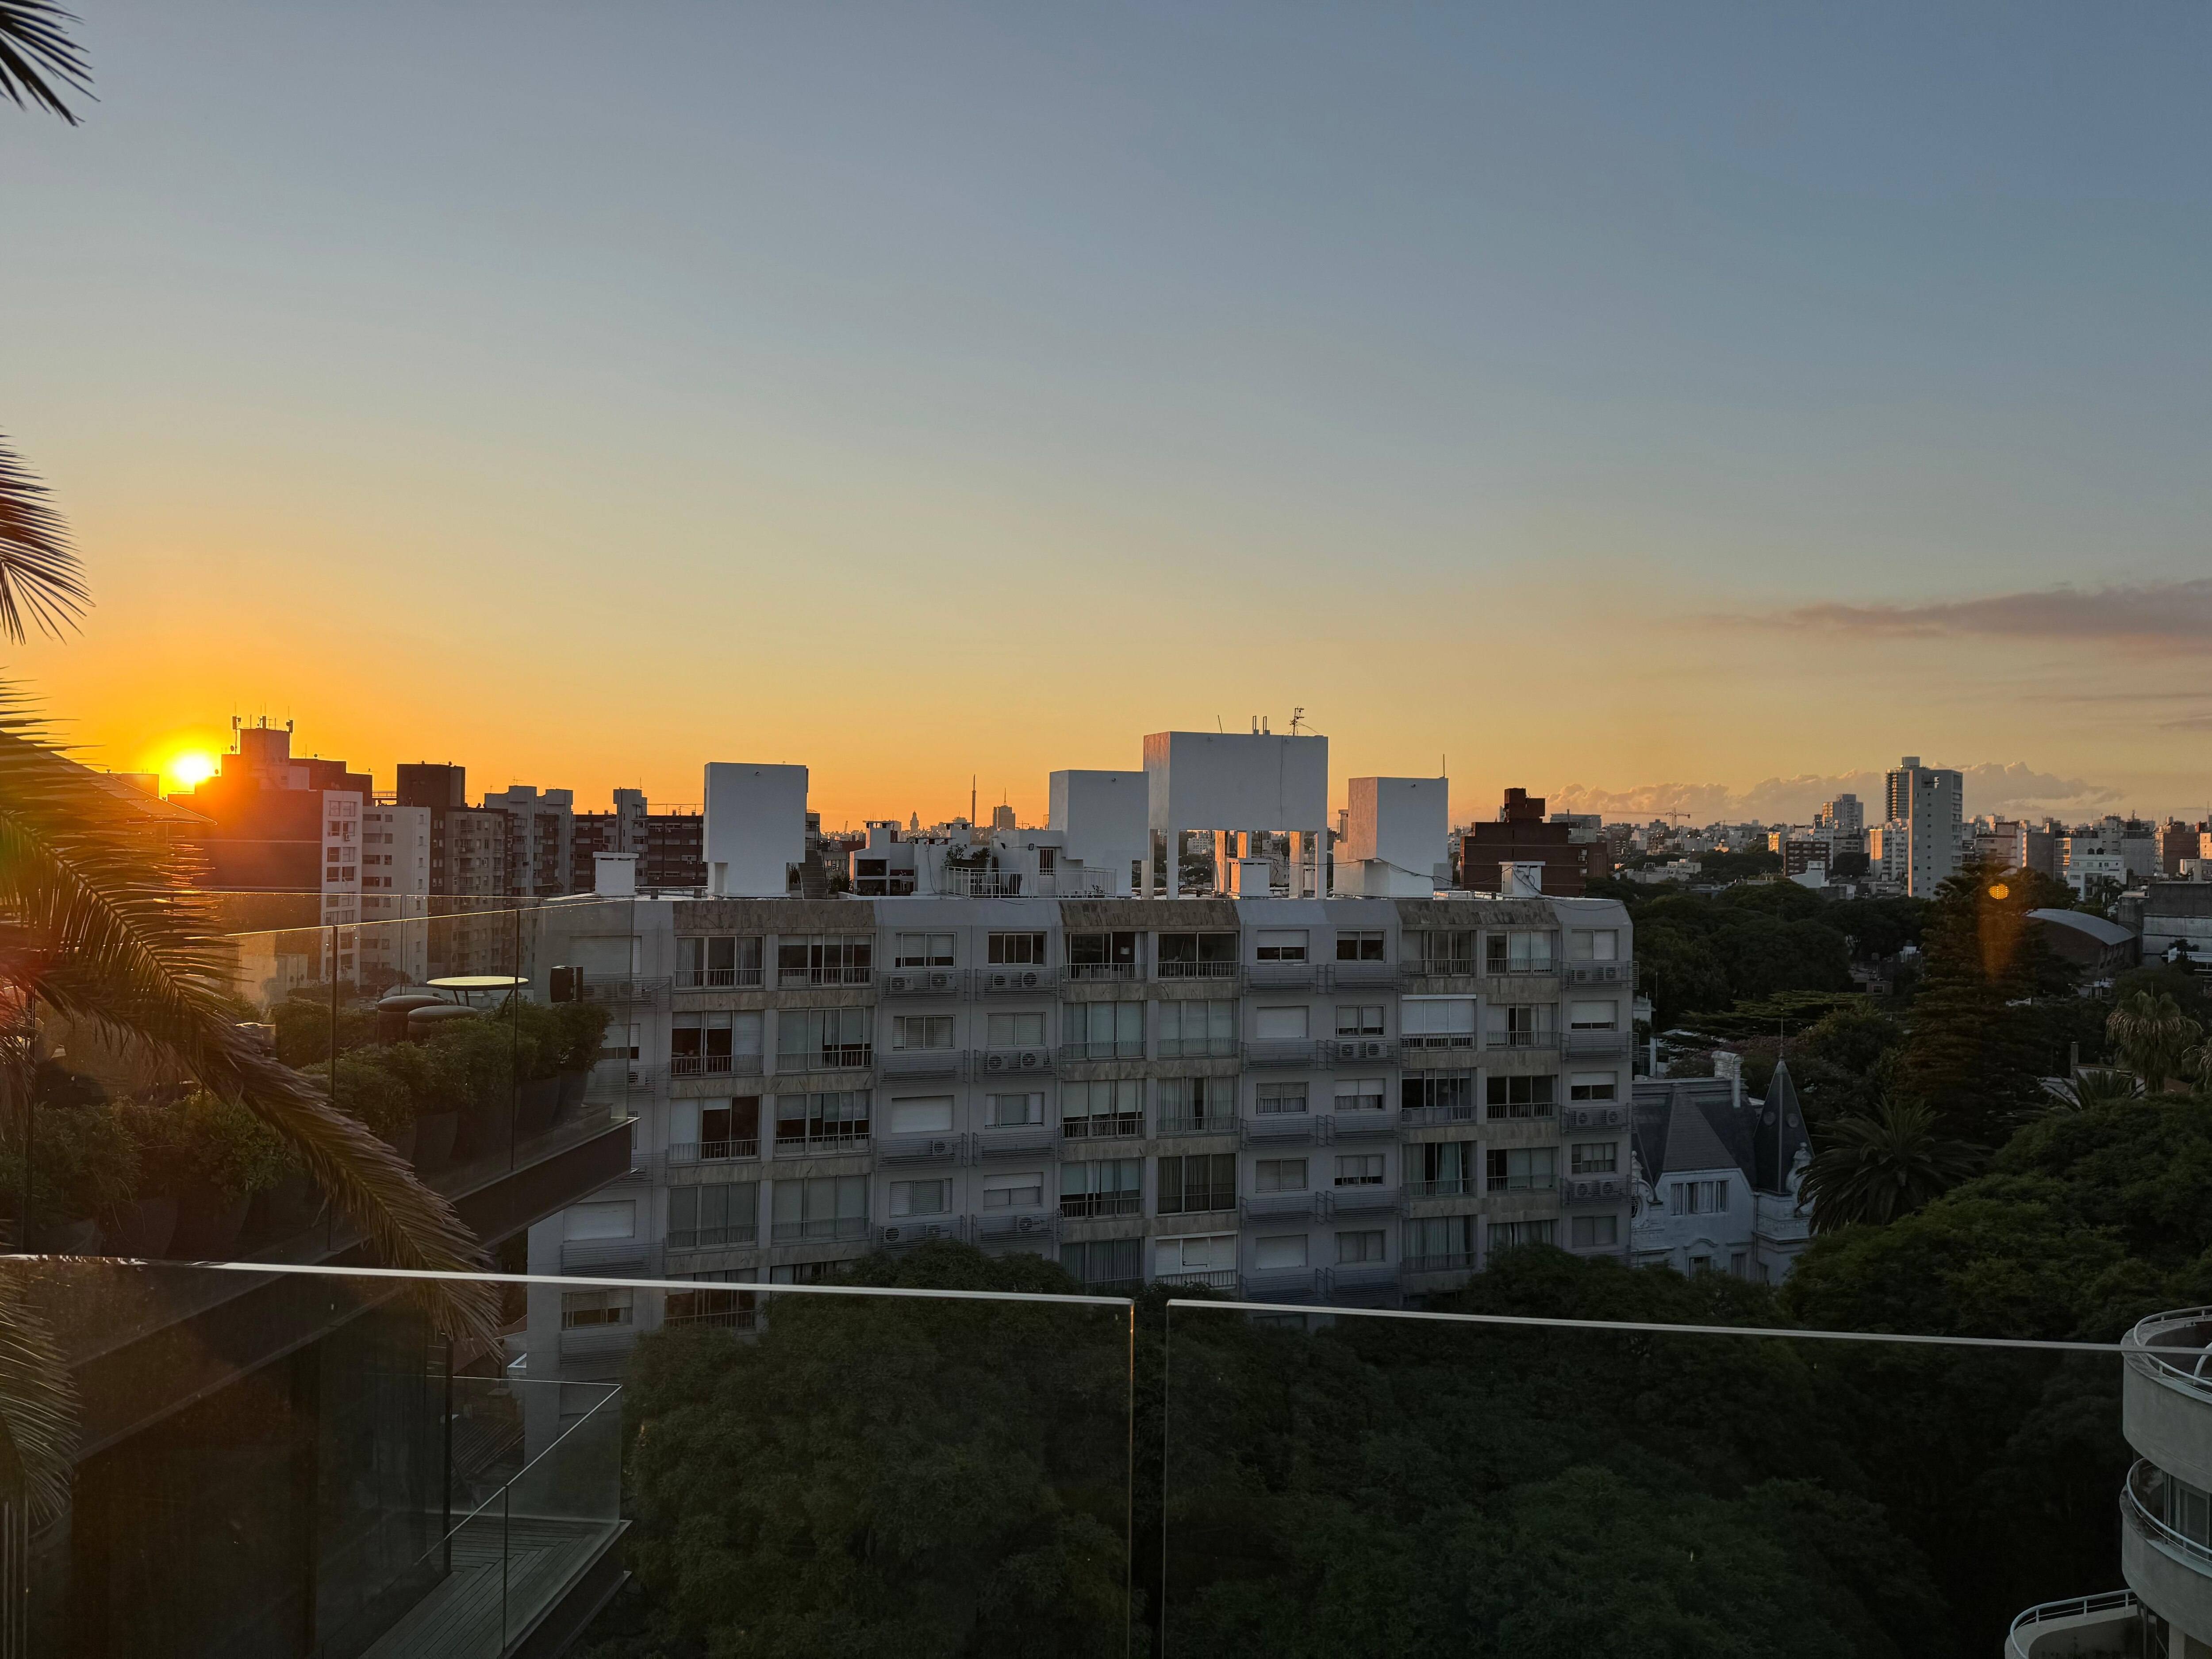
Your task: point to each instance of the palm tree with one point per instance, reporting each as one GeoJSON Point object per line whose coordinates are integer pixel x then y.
{"type": "Point", "coordinates": [100, 923]}
{"type": "Point", "coordinates": [1881, 1165]}
{"type": "Point", "coordinates": [33, 48]}
{"type": "Point", "coordinates": [2152, 1036]}
{"type": "Point", "coordinates": [2097, 1085]}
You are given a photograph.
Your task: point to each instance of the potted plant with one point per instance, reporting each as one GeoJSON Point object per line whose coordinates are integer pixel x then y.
{"type": "Point", "coordinates": [224, 1156]}
{"type": "Point", "coordinates": [84, 1173]}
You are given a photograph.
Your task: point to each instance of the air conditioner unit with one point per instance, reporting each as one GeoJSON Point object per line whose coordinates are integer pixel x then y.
{"type": "Point", "coordinates": [940, 1148]}
{"type": "Point", "coordinates": [1001, 981]}
{"type": "Point", "coordinates": [995, 1063]}
{"type": "Point", "coordinates": [1031, 1059]}
{"type": "Point", "coordinates": [1373, 1050]}
{"type": "Point", "coordinates": [940, 982]}
{"type": "Point", "coordinates": [1029, 1224]}
{"type": "Point", "coordinates": [1610, 1188]}
{"type": "Point", "coordinates": [1030, 981]}
{"type": "Point", "coordinates": [890, 1235]}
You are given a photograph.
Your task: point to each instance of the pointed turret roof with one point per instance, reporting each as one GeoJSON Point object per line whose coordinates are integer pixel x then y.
{"type": "Point", "coordinates": [1777, 1134]}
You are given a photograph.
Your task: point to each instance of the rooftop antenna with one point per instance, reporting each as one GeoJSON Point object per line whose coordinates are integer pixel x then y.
{"type": "Point", "coordinates": [1297, 718]}
{"type": "Point", "coordinates": [971, 799]}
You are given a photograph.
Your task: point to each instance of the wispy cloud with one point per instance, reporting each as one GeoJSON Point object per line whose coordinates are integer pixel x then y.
{"type": "Point", "coordinates": [2007, 790]}
{"type": "Point", "coordinates": [2172, 617]}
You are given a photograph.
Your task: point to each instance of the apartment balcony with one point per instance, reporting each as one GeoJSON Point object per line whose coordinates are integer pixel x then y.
{"type": "Point", "coordinates": [1451, 1187]}
{"type": "Point", "coordinates": [1594, 1117]}
{"type": "Point", "coordinates": [1006, 1226]}
{"type": "Point", "coordinates": [2170, 1571]}
{"type": "Point", "coordinates": [830, 1057]}
{"type": "Point", "coordinates": [1123, 1048]}
{"type": "Point", "coordinates": [1358, 1125]}
{"type": "Point", "coordinates": [824, 1230]}
{"type": "Point", "coordinates": [1080, 972]}
{"type": "Point", "coordinates": [1359, 975]}
{"type": "Point", "coordinates": [1597, 1045]}
{"type": "Point", "coordinates": [680, 1065]}
{"type": "Point", "coordinates": [1201, 1201]}
{"type": "Point", "coordinates": [1278, 1128]}
{"type": "Point", "coordinates": [1583, 1192]}
{"type": "Point", "coordinates": [713, 1152]}
{"type": "Point", "coordinates": [1357, 1051]}
{"type": "Point", "coordinates": [1206, 1048]}
{"type": "Point", "coordinates": [2166, 1399]}
{"type": "Point", "coordinates": [1280, 1054]}
{"type": "Point", "coordinates": [713, 1238]}
{"type": "Point", "coordinates": [1531, 1041]}
{"type": "Point", "coordinates": [719, 979]}
{"type": "Point", "coordinates": [1220, 1123]}
{"type": "Point", "coordinates": [948, 1065]}
{"type": "Point", "coordinates": [1423, 967]}
{"type": "Point", "coordinates": [1021, 1140]}
{"type": "Point", "coordinates": [1016, 979]}
{"type": "Point", "coordinates": [811, 979]}
{"type": "Point", "coordinates": [921, 981]}
{"type": "Point", "coordinates": [1104, 1126]}
{"type": "Point", "coordinates": [1200, 1278]}
{"type": "Point", "coordinates": [1430, 1117]}
{"type": "Point", "coordinates": [1277, 1206]}
{"type": "Point", "coordinates": [1216, 970]}
{"type": "Point", "coordinates": [1362, 1284]}
{"type": "Point", "coordinates": [1074, 1206]}
{"type": "Point", "coordinates": [920, 1149]}
{"type": "Point", "coordinates": [1622, 974]}
{"type": "Point", "coordinates": [1521, 1184]}
{"type": "Point", "coordinates": [988, 1063]}
{"type": "Point", "coordinates": [634, 1257]}
{"type": "Point", "coordinates": [2105, 1626]}
{"type": "Point", "coordinates": [1296, 1284]}
{"type": "Point", "coordinates": [826, 1143]}
{"type": "Point", "coordinates": [623, 990]}
{"type": "Point", "coordinates": [1281, 975]}
{"type": "Point", "coordinates": [1500, 967]}
{"type": "Point", "coordinates": [1427, 1042]}
{"type": "Point", "coordinates": [1362, 1198]}
{"type": "Point", "coordinates": [909, 1232]}
{"type": "Point", "coordinates": [1450, 1261]}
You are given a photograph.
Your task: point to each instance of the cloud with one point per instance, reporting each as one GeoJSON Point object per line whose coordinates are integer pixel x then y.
{"type": "Point", "coordinates": [2010, 790]}
{"type": "Point", "coordinates": [2172, 618]}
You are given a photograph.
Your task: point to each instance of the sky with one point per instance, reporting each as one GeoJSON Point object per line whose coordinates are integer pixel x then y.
{"type": "Point", "coordinates": [1647, 406]}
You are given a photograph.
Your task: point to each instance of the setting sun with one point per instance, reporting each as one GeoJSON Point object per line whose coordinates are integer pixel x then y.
{"type": "Point", "coordinates": [188, 770]}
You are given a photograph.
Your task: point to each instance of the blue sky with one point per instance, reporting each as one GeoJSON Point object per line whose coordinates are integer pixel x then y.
{"type": "Point", "coordinates": [1618, 397]}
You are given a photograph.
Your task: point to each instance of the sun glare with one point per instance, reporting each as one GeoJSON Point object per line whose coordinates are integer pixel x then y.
{"type": "Point", "coordinates": [188, 771]}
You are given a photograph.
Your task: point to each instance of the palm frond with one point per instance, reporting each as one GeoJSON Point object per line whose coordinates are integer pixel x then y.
{"type": "Point", "coordinates": [1881, 1165]}
{"type": "Point", "coordinates": [37, 1405]}
{"type": "Point", "coordinates": [33, 47]}
{"type": "Point", "coordinates": [39, 570]}
{"type": "Point", "coordinates": [104, 931]}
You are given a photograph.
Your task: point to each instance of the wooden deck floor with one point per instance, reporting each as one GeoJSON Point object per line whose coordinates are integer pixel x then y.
{"type": "Point", "coordinates": [461, 1619]}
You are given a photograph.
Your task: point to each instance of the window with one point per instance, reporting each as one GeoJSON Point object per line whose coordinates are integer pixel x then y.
{"type": "Point", "coordinates": [1190, 1103]}
{"type": "Point", "coordinates": [1593, 944]}
{"type": "Point", "coordinates": [1512, 1235]}
{"type": "Point", "coordinates": [1438, 1243]}
{"type": "Point", "coordinates": [1594, 1157]}
{"type": "Point", "coordinates": [1697, 1197]}
{"type": "Point", "coordinates": [1736, 1260]}
{"type": "Point", "coordinates": [721, 1212]}
{"type": "Point", "coordinates": [920, 1197]}
{"type": "Point", "coordinates": [1593, 1016]}
{"type": "Point", "coordinates": [1523, 1169]}
{"type": "Point", "coordinates": [921, 1031]}
{"type": "Point", "coordinates": [580, 1309]}
{"type": "Point", "coordinates": [1206, 1181]}
{"type": "Point", "coordinates": [1272, 1098]}
{"type": "Point", "coordinates": [921, 951]}
{"type": "Point", "coordinates": [1437, 1021]}
{"type": "Point", "coordinates": [1280, 1024]}
{"type": "Point", "coordinates": [824, 959]}
{"type": "Point", "coordinates": [838, 1118]}
{"type": "Point", "coordinates": [707, 1044]}
{"type": "Point", "coordinates": [1361, 1094]}
{"type": "Point", "coordinates": [1023, 950]}
{"type": "Point", "coordinates": [1280, 1254]}
{"type": "Point", "coordinates": [1102, 956]}
{"type": "Point", "coordinates": [922, 1115]}
{"type": "Point", "coordinates": [1590, 1233]}
{"type": "Point", "coordinates": [1105, 1030]}
{"type": "Point", "coordinates": [704, 1129]}
{"type": "Point", "coordinates": [1360, 1169]}
{"type": "Point", "coordinates": [1186, 1261]}
{"type": "Point", "coordinates": [1447, 951]}
{"type": "Point", "coordinates": [1188, 1030]}
{"type": "Point", "coordinates": [1102, 1107]}
{"type": "Point", "coordinates": [719, 963]}
{"type": "Point", "coordinates": [1364, 1020]}
{"type": "Point", "coordinates": [1522, 1096]}
{"type": "Point", "coordinates": [2187, 1508]}
{"type": "Point", "coordinates": [1352, 1249]}
{"type": "Point", "coordinates": [1280, 1174]}
{"type": "Point", "coordinates": [1447, 1169]}
{"type": "Point", "coordinates": [823, 1207]}
{"type": "Point", "coordinates": [1359, 944]}
{"type": "Point", "coordinates": [1012, 1111]}
{"type": "Point", "coordinates": [1523, 1025]}
{"type": "Point", "coordinates": [808, 1038]}
{"type": "Point", "coordinates": [1517, 952]}
{"type": "Point", "coordinates": [1592, 1086]}
{"type": "Point", "coordinates": [1701, 1264]}
{"type": "Point", "coordinates": [1013, 1030]}
{"type": "Point", "coordinates": [1439, 1096]}
{"type": "Point", "coordinates": [615, 1220]}
{"type": "Point", "coordinates": [1198, 956]}
{"type": "Point", "coordinates": [1014, 1192]}
{"type": "Point", "coordinates": [1102, 1261]}
{"type": "Point", "coordinates": [1108, 1186]}
{"type": "Point", "coordinates": [1281, 944]}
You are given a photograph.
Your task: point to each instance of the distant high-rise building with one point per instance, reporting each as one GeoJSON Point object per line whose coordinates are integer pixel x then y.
{"type": "Point", "coordinates": [671, 847]}
{"type": "Point", "coordinates": [1843, 814]}
{"type": "Point", "coordinates": [1928, 802]}
{"type": "Point", "coordinates": [540, 840]}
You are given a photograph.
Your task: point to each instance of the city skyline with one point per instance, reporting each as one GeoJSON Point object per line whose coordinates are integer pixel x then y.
{"type": "Point", "coordinates": [1621, 405]}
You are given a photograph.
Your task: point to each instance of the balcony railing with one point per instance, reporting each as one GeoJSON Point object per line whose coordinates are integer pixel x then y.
{"type": "Point", "coordinates": [715, 1065]}
{"type": "Point", "coordinates": [946, 1148]}
{"type": "Point", "coordinates": [821, 1230]}
{"type": "Point", "coordinates": [1451, 1187]}
{"type": "Point", "coordinates": [1364, 1198]}
{"type": "Point", "coordinates": [622, 988]}
{"type": "Point", "coordinates": [712, 1152]}
{"type": "Point", "coordinates": [709, 1238]}
{"type": "Point", "coordinates": [2139, 1507]}
{"type": "Point", "coordinates": [1596, 1044]}
{"type": "Point", "coordinates": [1001, 1225]}
{"type": "Point", "coordinates": [1280, 976]}
{"type": "Point", "coordinates": [1205, 1048]}
{"type": "Point", "coordinates": [821, 1142]}
{"type": "Point", "coordinates": [1104, 1126]}
{"type": "Point", "coordinates": [1199, 1278]}
{"type": "Point", "coordinates": [1358, 1124]}
{"type": "Point", "coordinates": [1414, 1117]}
{"type": "Point", "coordinates": [1104, 971]}
{"type": "Point", "coordinates": [1598, 973]}
{"type": "Point", "coordinates": [802, 979]}
{"type": "Point", "coordinates": [1113, 1049]}
{"type": "Point", "coordinates": [1439, 967]}
{"type": "Point", "coordinates": [830, 1057]}
{"type": "Point", "coordinates": [1593, 1189]}
{"type": "Point", "coordinates": [1197, 970]}
{"type": "Point", "coordinates": [1280, 1052]}
{"type": "Point", "coordinates": [1016, 1140]}
{"type": "Point", "coordinates": [1522, 1040]}
{"type": "Point", "coordinates": [909, 1232]}
{"type": "Point", "coordinates": [1523, 1183]}
{"type": "Point", "coordinates": [1283, 1284]}
{"type": "Point", "coordinates": [1075, 1204]}
{"type": "Point", "coordinates": [718, 979]}
{"type": "Point", "coordinates": [1357, 1050]}
{"type": "Point", "coordinates": [2112, 1604]}
{"type": "Point", "coordinates": [1353, 975]}
{"type": "Point", "coordinates": [1261, 1206]}
{"type": "Point", "coordinates": [1201, 1200]}
{"type": "Point", "coordinates": [1279, 1127]}
{"type": "Point", "coordinates": [1450, 1261]}
{"type": "Point", "coordinates": [1013, 978]}
{"type": "Point", "coordinates": [1500, 967]}
{"type": "Point", "coordinates": [999, 1062]}
{"type": "Point", "coordinates": [924, 1062]}
{"type": "Point", "coordinates": [2175, 1347]}
{"type": "Point", "coordinates": [1218, 1123]}
{"type": "Point", "coordinates": [912, 982]}
{"type": "Point", "coordinates": [1439, 1039]}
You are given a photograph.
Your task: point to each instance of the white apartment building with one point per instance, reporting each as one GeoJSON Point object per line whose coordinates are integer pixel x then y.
{"type": "Point", "coordinates": [1925, 804]}
{"type": "Point", "coordinates": [395, 886]}
{"type": "Point", "coordinates": [1309, 1101]}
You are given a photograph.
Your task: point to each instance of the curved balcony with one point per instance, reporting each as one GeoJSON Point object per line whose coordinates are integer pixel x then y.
{"type": "Point", "coordinates": [2170, 1571]}
{"type": "Point", "coordinates": [2165, 1408]}
{"type": "Point", "coordinates": [2086, 1626]}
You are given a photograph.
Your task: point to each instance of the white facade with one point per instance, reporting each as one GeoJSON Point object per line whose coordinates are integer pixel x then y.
{"type": "Point", "coordinates": [1105, 816]}
{"type": "Point", "coordinates": [1927, 803]}
{"type": "Point", "coordinates": [395, 886]}
{"type": "Point", "coordinates": [1234, 784]}
{"type": "Point", "coordinates": [1396, 837]}
{"type": "Point", "coordinates": [1313, 1101]}
{"type": "Point", "coordinates": [756, 829]}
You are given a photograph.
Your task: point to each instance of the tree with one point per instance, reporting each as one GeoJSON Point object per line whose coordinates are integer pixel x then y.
{"type": "Point", "coordinates": [2152, 1037]}
{"type": "Point", "coordinates": [2093, 1087]}
{"type": "Point", "coordinates": [1888, 1163]}
{"type": "Point", "coordinates": [34, 54]}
